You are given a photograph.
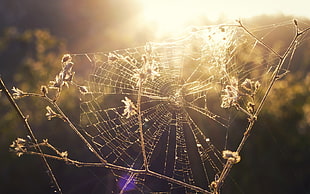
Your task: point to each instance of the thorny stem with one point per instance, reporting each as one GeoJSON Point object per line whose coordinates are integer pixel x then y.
{"type": "Point", "coordinates": [26, 124]}
{"type": "Point", "coordinates": [282, 58]}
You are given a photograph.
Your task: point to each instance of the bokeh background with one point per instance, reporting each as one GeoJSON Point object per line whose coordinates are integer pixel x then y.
{"type": "Point", "coordinates": [34, 34]}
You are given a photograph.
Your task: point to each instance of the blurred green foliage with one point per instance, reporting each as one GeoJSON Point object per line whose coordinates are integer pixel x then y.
{"type": "Point", "coordinates": [275, 159]}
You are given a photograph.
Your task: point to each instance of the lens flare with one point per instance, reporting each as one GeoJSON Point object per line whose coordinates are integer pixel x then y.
{"type": "Point", "coordinates": [126, 183]}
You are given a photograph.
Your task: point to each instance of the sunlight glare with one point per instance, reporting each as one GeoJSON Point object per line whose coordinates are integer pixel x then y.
{"type": "Point", "coordinates": [173, 15]}
{"type": "Point", "coordinates": [167, 15]}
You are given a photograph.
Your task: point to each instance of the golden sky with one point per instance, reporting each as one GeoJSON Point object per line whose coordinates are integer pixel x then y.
{"type": "Point", "coordinates": [170, 14]}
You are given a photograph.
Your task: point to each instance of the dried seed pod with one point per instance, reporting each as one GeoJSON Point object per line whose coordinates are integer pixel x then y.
{"type": "Point", "coordinates": [66, 58]}
{"type": "Point", "coordinates": [44, 90]}
{"type": "Point", "coordinates": [83, 89]}
{"type": "Point", "coordinates": [250, 107]}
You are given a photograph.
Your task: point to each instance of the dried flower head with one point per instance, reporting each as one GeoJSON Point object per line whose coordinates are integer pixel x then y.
{"type": "Point", "coordinates": [50, 113]}
{"type": "Point", "coordinates": [64, 154]}
{"type": "Point", "coordinates": [65, 76]}
{"type": "Point", "coordinates": [139, 76]}
{"type": "Point", "coordinates": [18, 93]}
{"type": "Point", "coordinates": [213, 186]}
{"type": "Point", "coordinates": [19, 146]}
{"type": "Point", "coordinates": [231, 156]}
{"type": "Point", "coordinates": [230, 94]}
{"type": "Point", "coordinates": [152, 72]}
{"type": "Point", "coordinates": [250, 107]}
{"type": "Point", "coordinates": [58, 82]}
{"type": "Point", "coordinates": [130, 108]}
{"type": "Point", "coordinates": [250, 87]}
{"type": "Point", "coordinates": [67, 68]}
{"type": "Point", "coordinates": [257, 86]}
{"type": "Point", "coordinates": [247, 85]}
{"type": "Point", "coordinates": [149, 70]}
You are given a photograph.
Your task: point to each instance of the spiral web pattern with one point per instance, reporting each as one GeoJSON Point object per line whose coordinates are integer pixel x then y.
{"type": "Point", "coordinates": [173, 94]}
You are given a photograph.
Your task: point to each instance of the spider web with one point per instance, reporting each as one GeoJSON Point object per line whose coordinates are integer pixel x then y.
{"type": "Point", "coordinates": [159, 108]}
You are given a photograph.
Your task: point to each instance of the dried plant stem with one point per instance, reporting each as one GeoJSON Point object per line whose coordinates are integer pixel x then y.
{"type": "Point", "coordinates": [64, 117]}
{"type": "Point", "coordinates": [116, 167]}
{"type": "Point", "coordinates": [26, 124]}
{"type": "Point", "coordinates": [103, 162]}
{"type": "Point", "coordinates": [258, 40]}
{"type": "Point", "coordinates": [73, 127]}
{"type": "Point", "coordinates": [66, 75]}
{"type": "Point", "coordinates": [141, 127]}
{"type": "Point", "coordinates": [291, 49]}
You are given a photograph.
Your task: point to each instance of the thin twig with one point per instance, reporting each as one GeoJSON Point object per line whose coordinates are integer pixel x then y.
{"type": "Point", "coordinates": [26, 124]}
{"type": "Point", "coordinates": [141, 127]}
{"type": "Point", "coordinates": [258, 40]}
{"type": "Point", "coordinates": [116, 167]}
{"type": "Point", "coordinates": [64, 117]}
{"type": "Point", "coordinates": [103, 163]}
{"type": "Point", "coordinates": [73, 127]}
{"type": "Point", "coordinates": [282, 58]}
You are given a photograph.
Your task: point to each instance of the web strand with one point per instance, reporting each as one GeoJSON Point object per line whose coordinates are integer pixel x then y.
{"type": "Point", "coordinates": [167, 108]}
